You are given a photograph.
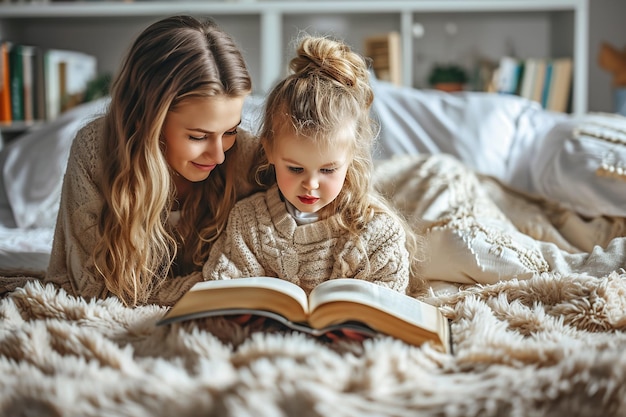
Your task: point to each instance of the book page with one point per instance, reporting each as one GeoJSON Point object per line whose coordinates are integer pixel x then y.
{"type": "Point", "coordinates": [274, 284]}
{"type": "Point", "coordinates": [258, 293]}
{"type": "Point", "coordinates": [378, 297]}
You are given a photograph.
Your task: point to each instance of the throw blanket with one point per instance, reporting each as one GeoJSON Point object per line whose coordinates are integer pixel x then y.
{"type": "Point", "coordinates": [532, 339]}
{"type": "Point", "coordinates": [479, 231]}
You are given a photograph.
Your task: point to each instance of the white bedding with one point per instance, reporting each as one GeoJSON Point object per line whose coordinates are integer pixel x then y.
{"type": "Point", "coordinates": [25, 249]}
{"type": "Point", "coordinates": [494, 134]}
{"type": "Point", "coordinates": [33, 166]}
{"type": "Point", "coordinates": [507, 137]}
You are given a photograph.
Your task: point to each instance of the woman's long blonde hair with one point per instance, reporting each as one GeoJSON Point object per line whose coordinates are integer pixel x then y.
{"type": "Point", "coordinates": [172, 60]}
{"type": "Point", "coordinates": [328, 85]}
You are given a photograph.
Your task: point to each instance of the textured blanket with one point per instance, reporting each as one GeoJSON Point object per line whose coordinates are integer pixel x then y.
{"type": "Point", "coordinates": [544, 336]}
{"type": "Point", "coordinates": [549, 346]}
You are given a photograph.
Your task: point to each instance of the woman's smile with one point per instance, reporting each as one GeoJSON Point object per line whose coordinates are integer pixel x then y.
{"type": "Point", "coordinates": [203, 167]}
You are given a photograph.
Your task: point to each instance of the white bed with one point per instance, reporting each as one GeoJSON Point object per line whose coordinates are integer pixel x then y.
{"type": "Point", "coordinates": [532, 334]}
{"type": "Point", "coordinates": [504, 136]}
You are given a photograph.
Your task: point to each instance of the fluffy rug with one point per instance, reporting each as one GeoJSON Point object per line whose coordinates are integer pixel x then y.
{"type": "Point", "coordinates": [548, 346]}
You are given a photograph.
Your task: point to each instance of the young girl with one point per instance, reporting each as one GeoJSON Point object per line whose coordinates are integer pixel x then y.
{"type": "Point", "coordinates": [149, 186]}
{"type": "Point", "coordinates": [321, 219]}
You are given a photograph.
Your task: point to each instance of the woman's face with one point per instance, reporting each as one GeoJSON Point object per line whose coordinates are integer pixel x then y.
{"type": "Point", "coordinates": [197, 134]}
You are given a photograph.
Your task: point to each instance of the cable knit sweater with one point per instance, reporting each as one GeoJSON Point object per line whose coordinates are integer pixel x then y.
{"type": "Point", "coordinates": [263, 239]}
{"type": "Point", "coordinates": [71, 265]}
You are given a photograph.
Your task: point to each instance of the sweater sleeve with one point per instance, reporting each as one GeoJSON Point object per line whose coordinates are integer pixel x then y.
{"type": "Point", "coordinates": [233, 255]}
{"type": "Point", "coordinates": [71, 266]}
{"type": "Point", "coordinates": [387, 256]}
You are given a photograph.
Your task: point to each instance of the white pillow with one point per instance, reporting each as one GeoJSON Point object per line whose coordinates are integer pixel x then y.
{"type": "Point", "coordinates": [33, 166]}
{"type": "Point", "coordinates": [573, 164]}
{"type": "Point", "coordinates": [491, 133]}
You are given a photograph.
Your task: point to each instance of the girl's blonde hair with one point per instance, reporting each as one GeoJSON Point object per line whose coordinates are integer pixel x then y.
{"type": "Point", "coordinates": [172, 60]}
{"type": "Point", "coordinates": [328, 86]}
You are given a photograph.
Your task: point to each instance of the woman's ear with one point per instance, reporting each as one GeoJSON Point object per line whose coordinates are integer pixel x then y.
{"type": "Point", "coordinates": [268, 152]}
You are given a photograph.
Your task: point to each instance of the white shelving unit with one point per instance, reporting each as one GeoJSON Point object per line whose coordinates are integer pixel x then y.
{"type": "Point", "coordinates": [265, 29]}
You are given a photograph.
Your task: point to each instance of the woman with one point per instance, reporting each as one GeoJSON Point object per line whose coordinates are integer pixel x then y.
{"type": "Point", "coordinates": [149, 186]}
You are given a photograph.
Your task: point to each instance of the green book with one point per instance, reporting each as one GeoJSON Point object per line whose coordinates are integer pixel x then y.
{"type": "Point", "coordinates": [16, 79]}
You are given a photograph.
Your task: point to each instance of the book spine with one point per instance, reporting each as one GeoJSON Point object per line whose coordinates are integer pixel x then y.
{"type": "Point", "coordinates": [560, 87]}
{"type": "Point", "coordinates": [528, 80]}
{"type": "Point", "coordinates": [519, 76]}
{"type": "Point", "coordinates": [508, 75]}
{"type": "Point", "coordinates": [52, 93]}
{"type": "Point", "coordinates": [39, 86]}
{"type": "Point", "coordinates": [17, 82]}
{"type": "Point", "coordinates": [540, 77]}
{"type": "Point", "coordinates": [28, 70]}
{"type": "Point", "coordinates": [546, 85]}
{"type": "Point", "coordinates": [5, 84]}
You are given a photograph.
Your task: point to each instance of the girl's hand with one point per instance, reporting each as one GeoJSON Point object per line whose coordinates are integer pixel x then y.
{"type": "Point", "coordinates": [241, 319]}
{"type": "Point", "coordinates": [346, 334]}
{"type": "Point", "coordinates": [248, 320]}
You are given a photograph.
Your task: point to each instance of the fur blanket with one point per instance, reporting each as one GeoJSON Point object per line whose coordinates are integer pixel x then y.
{"type": "Point", "coordinates": [549, 346]}
{"type": "Point", "coordinates": [537, 329]}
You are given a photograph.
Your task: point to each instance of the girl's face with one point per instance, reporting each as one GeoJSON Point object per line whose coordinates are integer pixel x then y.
{"type": "Point", "coordinates": [197, 134]}
{"type": "Point", "coordinates": [309, 176]}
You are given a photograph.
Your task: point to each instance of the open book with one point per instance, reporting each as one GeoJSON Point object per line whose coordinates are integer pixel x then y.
{"type": "Point", "coordinates": [336, 304]}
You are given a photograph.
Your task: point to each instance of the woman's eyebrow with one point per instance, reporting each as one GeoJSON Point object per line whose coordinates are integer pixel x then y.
{"type": "Point", "coordinates": [198, 129]}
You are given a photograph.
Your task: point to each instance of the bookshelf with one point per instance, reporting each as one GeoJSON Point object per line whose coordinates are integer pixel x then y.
{"type": "Point", "coordinates": [39, 84]}
{"type": "Point", "coordinates": [265, 29]}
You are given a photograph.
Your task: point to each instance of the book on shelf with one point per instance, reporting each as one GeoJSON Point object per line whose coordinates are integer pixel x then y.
{"type": "Point", "coordinates": [546, 84]}
{"type": "Point", "coordinates": [16, 76]}
{"type": "Point", "coordinates": [66, 74]}
{"type": "Point", "coordinates": [338, 304]}
{"type": "Point", "coordinates": [548, 81]}
{"type": "Point", "coordinates": [533, 79]}
{"type": "Point", "coordinates": [28, 82]}
{"type": "Point", "coordinates": [5, 83]}
{"type": "Point", "coordinates": [539, 80]}
{"type": "Point", "coordinates": [528, 81]}
{"type": "Point", "coordinates": [560, 88]}
{"type": "Point", "coordinates": [508, 75]}
{"type": "Point", "coordinates": [385, 52]}
{"type": "Point", "coordinates": [39, 85]}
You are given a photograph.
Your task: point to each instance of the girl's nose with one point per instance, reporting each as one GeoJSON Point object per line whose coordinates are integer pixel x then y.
{"type": "Point", "coordinates": [311, 183]}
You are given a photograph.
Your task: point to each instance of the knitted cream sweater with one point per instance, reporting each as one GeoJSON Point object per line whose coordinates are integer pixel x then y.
{"type": "Point", "coordinates": [71, 265]}
{"type": "Point", "coordinates": [263, 239]}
